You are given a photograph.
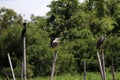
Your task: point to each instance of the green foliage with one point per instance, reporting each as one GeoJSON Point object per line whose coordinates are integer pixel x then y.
{"type": "Point", "coordinates": [89, 76]}
{"type": "Point", "coordinates": [79, 25]}
{"type": "Point", "coordinates": [8, 17]}
{"type": "Point", "coordinates": [38, 49]}
{"type": "Point", "coordinates": [106, 24]}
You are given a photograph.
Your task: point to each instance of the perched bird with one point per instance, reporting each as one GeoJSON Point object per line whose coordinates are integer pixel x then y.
{"type": "Point", "coordinates": [24, 30]}
{"type": "Point", "coordinates": [52, 17]}
{"type": "Point", "coordinates": [100, 41]}
{"type": "Point", "coordinates": [51, 20]}
{"type": "Point", "coordinates": [55, 42]}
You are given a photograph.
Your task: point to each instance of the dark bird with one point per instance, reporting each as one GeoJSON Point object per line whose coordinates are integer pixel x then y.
{"type": "Point", "coordinates": [51, 20]}
{"type": "Point", "coordinates": [24, 30]}
{"type": "Point", "coordinates": [55, 42]}
{"type": "Point", "coordinates": [100, 41]}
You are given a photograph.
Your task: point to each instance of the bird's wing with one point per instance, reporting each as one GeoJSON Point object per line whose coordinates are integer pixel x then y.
{"type": "Point", "coordinates": [99, 43]}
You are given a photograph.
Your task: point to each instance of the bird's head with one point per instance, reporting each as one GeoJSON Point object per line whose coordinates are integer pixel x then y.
{"type": "Point", "coordinates": [57, 39]}
{"type": "Point", "coordinates": [104, 36]}
{"type": "Point", "coordinates": [24, 24]}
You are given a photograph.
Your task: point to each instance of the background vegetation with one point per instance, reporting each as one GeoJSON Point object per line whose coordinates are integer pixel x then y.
{"type": "Point", "coordinates": [79, 25]}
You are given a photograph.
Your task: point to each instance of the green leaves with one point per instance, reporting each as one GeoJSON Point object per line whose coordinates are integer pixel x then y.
{"type": "Point", "coordinates": [79, 25]}
{"type": "Point", "coordinates": [8, 17]}
{"type": "Point", "coordinates": [107, 24]}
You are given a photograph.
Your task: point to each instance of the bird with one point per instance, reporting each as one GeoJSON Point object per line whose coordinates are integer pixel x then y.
{"type": "Point", "coordinates": [24, 30]}
{"type": "Point", "coordinates": [55, 42]}
{"type": "Point", "coordinates": [100, 41]}
{"type": "Point", "coordinates": [51, 20]}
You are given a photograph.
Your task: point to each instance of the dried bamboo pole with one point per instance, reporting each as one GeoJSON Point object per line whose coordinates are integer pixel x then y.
{"type": "Point", "coordinates": [53, 65]}
{"type": "Point", "coordinates": [24, 58]}
{"type": "Point", "coordinates": [84, 70]}
{"type": "Point", "coordinates": [11, 67]}
{"type": "Point", "coordinates": [100, 65]}
{"type": "Point", "coordinates": [103, 64]}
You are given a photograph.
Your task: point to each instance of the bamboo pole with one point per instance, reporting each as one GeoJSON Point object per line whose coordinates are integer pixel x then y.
{"type": "Point", "coordinates": [113, 70]}
{"type": "Point", "coordinates": [53, 65]}
{"type": "Point", "coordinates": [84, 70]}
{"type": "Point", "coordinates": [11, 67]}
{"type": "Point", "coordinates": [24, 58]}
{"type": "Point", "coordinates": [103, 64]}
{"type": "Point", "coordinates": [100, 65]}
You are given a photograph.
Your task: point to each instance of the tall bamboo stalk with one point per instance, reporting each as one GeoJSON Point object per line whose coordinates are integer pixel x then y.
{"type": "Point", "coordinates": [84, 70]}
{"type": "Point", "coordinates": [100, 65]}
{"type": "Point", "coordinates": [11, 67]}
{"type": "Point", "coordinates": [53, 65]}
{"type": "Point", "coordinates": [24, 58]}
{"type": "Point", "coordinates": [103, 64]}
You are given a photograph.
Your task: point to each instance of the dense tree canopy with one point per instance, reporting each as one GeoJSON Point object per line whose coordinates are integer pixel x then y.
{"type": "Point", "coordinates": [79, 25]}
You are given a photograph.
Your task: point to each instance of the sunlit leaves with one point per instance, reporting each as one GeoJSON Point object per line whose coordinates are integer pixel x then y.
{"type": "Point", "coordinates": [8, 17]}
{"type": "Point", "coordinates": [107, 24]}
